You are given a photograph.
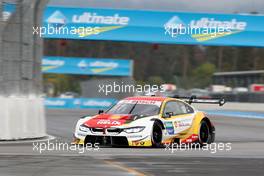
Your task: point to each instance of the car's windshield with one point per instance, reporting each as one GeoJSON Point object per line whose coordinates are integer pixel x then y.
{"type": "Point", "coordinates": [135, 108]}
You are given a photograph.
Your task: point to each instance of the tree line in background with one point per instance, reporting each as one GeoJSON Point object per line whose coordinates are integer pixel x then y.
{"type": "Point", "coordinates": [187, 66]}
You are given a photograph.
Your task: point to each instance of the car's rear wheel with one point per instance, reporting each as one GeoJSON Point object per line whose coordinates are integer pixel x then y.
{"type": "Point", "coordinates": [156, 136]}
{"type": "Point", "coordinates": [204, 133]}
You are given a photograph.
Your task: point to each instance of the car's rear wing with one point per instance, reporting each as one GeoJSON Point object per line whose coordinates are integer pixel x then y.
{"type": "Point", "coordinates": [194, 99]}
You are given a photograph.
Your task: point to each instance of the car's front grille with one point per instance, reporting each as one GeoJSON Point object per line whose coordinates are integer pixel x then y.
{"type": "Point", "coordinates": [107, 140]}
{"type": "Point", "coordinates": [109, 130]}
{"type": "Point", "coordinates": [114, 130]}
{"type": "Point", "coordinates": [97, 130]}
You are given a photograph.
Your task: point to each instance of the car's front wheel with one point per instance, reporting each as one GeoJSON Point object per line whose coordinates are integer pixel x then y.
{"type": "Point", "coordinates": [156, 136]}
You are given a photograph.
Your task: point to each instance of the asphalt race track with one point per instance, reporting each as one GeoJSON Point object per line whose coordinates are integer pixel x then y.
{"type": "Point", "coordinates": [246, 156]}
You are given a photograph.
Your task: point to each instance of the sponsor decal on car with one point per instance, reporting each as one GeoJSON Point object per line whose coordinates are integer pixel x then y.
{"type": "Point", "coordinates": [135, 136]}
{"type": "Point", "coordinates": [192, 138]}
{"type": "Point", "coordinates": [169, 127]}
{"type": "Point", "coordinates": [108, 122]}
{"type": "Point", "coordinates": [182, 123]}
{"type": "Point", "coordinates": [138, 143]}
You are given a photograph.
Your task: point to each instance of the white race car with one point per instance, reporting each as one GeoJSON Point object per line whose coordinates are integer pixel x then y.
{"type": "Point", "coordinates": [147, 121]}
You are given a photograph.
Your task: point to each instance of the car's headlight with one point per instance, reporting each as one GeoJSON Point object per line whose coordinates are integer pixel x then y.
{"type": "Point", "coordinates": [83, 128]}
{"type": "Point", "coordinates": [134, 129]}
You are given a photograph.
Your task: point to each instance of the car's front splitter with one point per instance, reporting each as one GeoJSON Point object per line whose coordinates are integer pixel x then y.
{"type": "Point", "coordinates": [114, 141]}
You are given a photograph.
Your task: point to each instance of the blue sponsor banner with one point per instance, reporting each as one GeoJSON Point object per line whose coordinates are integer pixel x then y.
{"type": "Point", "coordinates": [87, 66]}
{"type": "Point", "coordinates": [79, 103]}
{"type": "Point", "coordinates": [8, 9]}
{"type": "Point", "coordinates": [154, 26]}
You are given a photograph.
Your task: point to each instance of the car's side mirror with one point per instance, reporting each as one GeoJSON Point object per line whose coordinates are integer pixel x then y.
{"type": "Point", "coordinates": [168, 114]}
{"type": "Point", "coordinates": [100, 111]}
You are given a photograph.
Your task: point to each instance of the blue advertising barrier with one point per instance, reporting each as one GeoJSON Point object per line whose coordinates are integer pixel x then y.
{"type": "Point", "coordinates": [153, 26]}
{"type": "Point", "coordinates": [79, 103]}
{"type": "Point", "coordinates": [87, 66]}
{"type": "Point", "coordinates": [149, 26]}
{"type": "Point", "coordinates": [8, 9]}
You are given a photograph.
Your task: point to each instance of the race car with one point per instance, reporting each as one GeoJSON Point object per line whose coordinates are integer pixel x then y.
{"type": "Point", "coordinates": [148, 121]}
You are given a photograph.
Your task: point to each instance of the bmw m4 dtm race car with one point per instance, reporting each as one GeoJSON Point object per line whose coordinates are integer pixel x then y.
{"type": "Point", "coordinates": [148, 121]}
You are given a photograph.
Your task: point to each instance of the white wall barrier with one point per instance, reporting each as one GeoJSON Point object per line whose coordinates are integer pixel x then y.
{"type": "Point", "coordinates": [22, 118]}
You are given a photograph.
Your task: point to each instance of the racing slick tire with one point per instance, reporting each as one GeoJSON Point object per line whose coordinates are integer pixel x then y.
{"type": "Point", "coordinates": [206, 135]}
{"type": "Point", "coordinates": [156, 136]}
